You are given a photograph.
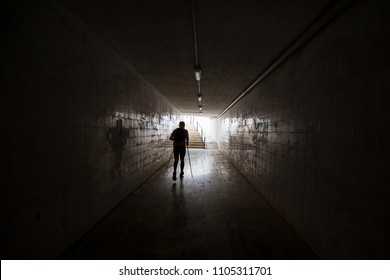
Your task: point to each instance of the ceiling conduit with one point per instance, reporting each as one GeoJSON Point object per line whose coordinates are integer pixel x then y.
{"type": "Point", "coordinates": [197, 69]}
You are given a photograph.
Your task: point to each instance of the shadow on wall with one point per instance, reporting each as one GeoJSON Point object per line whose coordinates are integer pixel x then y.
{"type": "Point", "coordinates": [117, 137]}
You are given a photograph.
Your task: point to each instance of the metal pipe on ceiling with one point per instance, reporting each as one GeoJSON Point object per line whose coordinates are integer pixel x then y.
{"type": "Point", "coordinates": [194, 28]}
{"type": "Point", "coordinates": [197, 69]}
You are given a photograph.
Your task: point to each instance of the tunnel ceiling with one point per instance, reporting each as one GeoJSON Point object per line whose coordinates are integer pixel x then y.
{"type": "Point", "coordinates": [236, 41]}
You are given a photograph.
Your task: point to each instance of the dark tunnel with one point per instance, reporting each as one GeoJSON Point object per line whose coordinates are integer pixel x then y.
{"type": "Point", "coordinates": [290, 100]}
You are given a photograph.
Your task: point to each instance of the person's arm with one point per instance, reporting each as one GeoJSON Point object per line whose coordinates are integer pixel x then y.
{"type": "Point", "coordinates": [172, 136]}
{"type": "Point", "coordinates": [187, 137]}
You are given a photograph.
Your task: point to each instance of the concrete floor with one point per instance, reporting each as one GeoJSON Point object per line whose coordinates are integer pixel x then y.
{"type": "Point", "coordinates": [216, 214]}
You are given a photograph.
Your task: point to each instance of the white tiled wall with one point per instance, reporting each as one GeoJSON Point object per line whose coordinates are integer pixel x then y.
{"type": "Point", "coordinates": [312, 136]}
{"type": "Point", "coordinates": [66, 162]}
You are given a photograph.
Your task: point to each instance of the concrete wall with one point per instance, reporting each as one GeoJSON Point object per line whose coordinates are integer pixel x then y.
{"type": "Point", "coordinates": [66, 159]}
{"type": "Point", "coordinates": [313, 137]}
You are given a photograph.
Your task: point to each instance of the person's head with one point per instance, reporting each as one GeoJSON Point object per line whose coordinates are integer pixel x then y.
{"type": "Point", "coordinates": [182, 124]}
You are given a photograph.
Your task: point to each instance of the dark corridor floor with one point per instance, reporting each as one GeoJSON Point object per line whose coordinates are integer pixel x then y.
{"type": "Point", "coordinates": [216, 214]}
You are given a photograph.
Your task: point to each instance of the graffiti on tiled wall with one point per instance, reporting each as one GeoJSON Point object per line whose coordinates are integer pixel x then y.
{"type": "Point", "coordinates": [245, 140]}
{"type": "Point", "coordinates": [138, 141]}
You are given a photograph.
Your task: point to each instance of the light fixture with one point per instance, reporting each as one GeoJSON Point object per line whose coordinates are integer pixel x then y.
{"type": "Point", "coordinates": [200, 98]}
{"type": "Point", "coordinates": [197, 73]}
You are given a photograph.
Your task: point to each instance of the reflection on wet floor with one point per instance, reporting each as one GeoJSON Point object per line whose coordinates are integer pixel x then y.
{"type": "Point", "coordinates": [216, 214]}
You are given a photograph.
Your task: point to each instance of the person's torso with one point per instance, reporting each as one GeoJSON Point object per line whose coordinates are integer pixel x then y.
{"type": "Point", "coordinates": [180, 136]}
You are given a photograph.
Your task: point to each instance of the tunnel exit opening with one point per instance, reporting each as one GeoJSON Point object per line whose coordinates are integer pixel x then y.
{"type": "Point", "coordinates": [206, 126]}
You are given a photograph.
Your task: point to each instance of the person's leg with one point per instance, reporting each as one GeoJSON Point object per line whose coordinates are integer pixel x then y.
{"type": "Point", "coordinates": [182, 155]}
{"type": "Point", "coordinates": [176, 156]}
{"type": "Point", "coordinates": [181, 164]}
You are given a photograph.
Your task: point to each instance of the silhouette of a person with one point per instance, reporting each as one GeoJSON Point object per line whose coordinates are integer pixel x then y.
{"type": "Point", "coordinates": [117, 137]}
{"type": "Point", "coordinates": [180, 140]}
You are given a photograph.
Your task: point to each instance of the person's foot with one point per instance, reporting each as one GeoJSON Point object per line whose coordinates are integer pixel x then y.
{"type": "Point", "coordinates": [181, 174]}
{"type": "Point", "coordinates": [174, 176]}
